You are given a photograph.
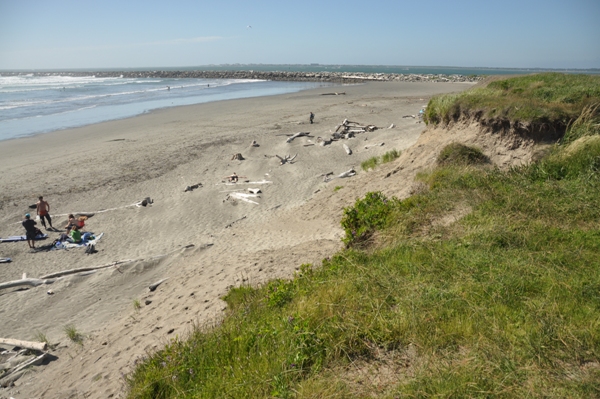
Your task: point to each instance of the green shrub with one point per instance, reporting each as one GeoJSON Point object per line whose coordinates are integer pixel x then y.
{"type": "Point", "coordinates": [367, 215]}
{"type": "Point", "coordinates": [460, 154]}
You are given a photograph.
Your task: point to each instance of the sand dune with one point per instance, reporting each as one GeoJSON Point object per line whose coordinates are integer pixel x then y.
{"type": "Point", "coordinates": [105, 168]}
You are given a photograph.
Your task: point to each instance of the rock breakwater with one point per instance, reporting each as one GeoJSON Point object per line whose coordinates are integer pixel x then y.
{"type": "Point", "coordinates": [338, 77]}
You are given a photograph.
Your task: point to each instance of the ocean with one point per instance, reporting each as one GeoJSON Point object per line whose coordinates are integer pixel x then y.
{"type": "Point", "coordinates": [32, 105]}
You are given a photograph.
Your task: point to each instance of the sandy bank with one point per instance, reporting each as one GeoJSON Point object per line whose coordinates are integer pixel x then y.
{"type": "Point", "coordinates": [115, 164]}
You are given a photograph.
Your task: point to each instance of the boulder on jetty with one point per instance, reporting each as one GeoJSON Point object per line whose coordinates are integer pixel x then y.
{"type": "Point", "coordinates": [326, 76]}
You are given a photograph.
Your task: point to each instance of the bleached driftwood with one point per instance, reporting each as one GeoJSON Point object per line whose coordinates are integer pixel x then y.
{"type": "Point", "coordinates": [247, 182]}
{"type": "Point", "coordinates": [83, 269]}
{"type": "Point", "coordinates": [153, 287]}
{"type": "Point", "coordinates": [347, 149]}
{"type": "Point", "coordinates": [38, 346]}
{"type": "Point", "coordinates": [237, 157]}
{"type": "Point", "coordinates": [348, 173]}
{"type": "Point", "coordinates": [323, 142]}
{"type": "Point", "coordinates": [409, 116]}
{"type": "Point", "coordinates": [286, 159]}
{"type": "Point", "coordinates": [254, 144]}
{"type": "Point", "coordinates": [333, 94]}
{"type": "Point", "coordinates": [30, 282]}
{"type": "Point", "coordinates": [254, 190]}
{"type": "Point", "coordinates": [243, 197]}
{"type": "Point", "coordinates": [299, 134]}
{"type": "Point", "coordinates": [10, 377]}
{"type": "Point", "coordinates": [392, 126]}
{"type": "Point", "coordinates": [373, 145]}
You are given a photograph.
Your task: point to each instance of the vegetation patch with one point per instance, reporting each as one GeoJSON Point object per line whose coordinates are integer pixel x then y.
{"type": "Point", "coordinates": [503, 302]}
{"type": "Point", "coordinates": [541, 101]}
{"type": "Point", "coordinates": [460, 154]}
{"type": "Point", "coordinates": [372, 162]}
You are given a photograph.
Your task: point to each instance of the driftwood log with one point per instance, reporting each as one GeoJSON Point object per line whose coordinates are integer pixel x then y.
{"type": "Point", "coordinates": [348, 173]}
{"type": "Point", "coordinates": [254, 144]}
{"type": "Point", "coordinates": [323, 142]}
{"type": "Point", "coordinates": [286, 159]}
{"type": "Point", "coordinates": [237, 157]}
{"type": "Point", "coordinates": [192, 187]}
{"type": "Point", "coordinates": [373, 145]}
{"type": "Point", "coordinates": [30, 282]}
{"type": "Point", "coordinates": [83, 269]}
{"type": "Point", "coordinates": [299, 134]}
{"type": "Point", "coordinates": [11, 376]}
{"type": "Point", "coordinates": [242, 197]}
{"type": "Point", "coordinates": [347, 149]}
{"type": "Point", "coordinates": [153, 287]}
{"type": "Point", "coordinates": [38, 346]}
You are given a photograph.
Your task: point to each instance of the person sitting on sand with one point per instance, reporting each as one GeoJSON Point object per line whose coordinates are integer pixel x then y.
{"type": "Point", "coordinates": [30, 230]}
{"type": "Point", "coordinates": [76, 235]}
{"type": "Point", "coordinates": [79, 222]}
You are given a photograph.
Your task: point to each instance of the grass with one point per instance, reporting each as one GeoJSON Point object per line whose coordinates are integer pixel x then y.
{"type": "Point", "coordinates": [73, 334]}
{"type": "Point", "coordinates": [41, 337]}
{"type": "Point", "coordinates": [460, 154]}
{"type": "Point", "coordinates": [502, 303]}
{"type": "Point", "coordinates": [372, 162]}
{"type": "Point", "coordinates": [547, 98]}
{"type": "Point", "coordinates": [137, 305]}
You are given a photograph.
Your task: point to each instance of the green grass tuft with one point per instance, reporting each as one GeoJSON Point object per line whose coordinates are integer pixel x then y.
{"type": "Point", "coordinates": [460, 154]}
{"type": "Point", "coordinates": [372, 162]}
{"type": "Point", "coordinates": [74, 335]}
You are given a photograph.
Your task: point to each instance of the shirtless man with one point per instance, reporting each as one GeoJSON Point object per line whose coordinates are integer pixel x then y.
{"type": "Point", "coordinates": [233, 178]}
{"type": "Point", "coordinates": [43, 209]}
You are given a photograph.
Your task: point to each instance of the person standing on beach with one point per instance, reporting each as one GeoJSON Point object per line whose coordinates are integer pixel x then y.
{"type": "Point", "coordinates": [30, 230]}
{"type": "Point", "coordinates": [43, 209]}
{"type": "Point", "coordinates": [311, 117]}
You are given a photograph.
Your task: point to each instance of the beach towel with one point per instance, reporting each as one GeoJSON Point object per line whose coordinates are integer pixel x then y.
{"type": "Point", "coordinates": [86, 238]}
{"type": "Point", "coordinates": [23, 238]}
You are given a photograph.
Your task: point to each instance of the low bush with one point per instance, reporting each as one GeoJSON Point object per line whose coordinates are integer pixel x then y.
{"type": "Point", "coordinates": [460, 154]}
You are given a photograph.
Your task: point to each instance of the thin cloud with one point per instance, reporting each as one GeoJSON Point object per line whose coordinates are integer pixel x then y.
{"type": "Point", "coordinates": [202, 39]}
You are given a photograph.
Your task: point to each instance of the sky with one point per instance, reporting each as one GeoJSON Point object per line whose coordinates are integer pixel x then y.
{"type": "Point", "coordinates": [130, 33]}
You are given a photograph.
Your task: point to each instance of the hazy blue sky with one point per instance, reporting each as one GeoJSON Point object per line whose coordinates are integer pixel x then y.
{"type": "Point", "coordinates": [131, 33]}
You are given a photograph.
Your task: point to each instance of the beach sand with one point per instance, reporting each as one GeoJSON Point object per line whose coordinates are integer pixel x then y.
{"type": "Point", "coordinates": [107, 167]}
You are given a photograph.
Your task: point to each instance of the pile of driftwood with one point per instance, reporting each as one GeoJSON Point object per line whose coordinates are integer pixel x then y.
{"type": "Point", "coordinates": [14, 362]}
{"type": "Point", "coordinates": [348, 129]}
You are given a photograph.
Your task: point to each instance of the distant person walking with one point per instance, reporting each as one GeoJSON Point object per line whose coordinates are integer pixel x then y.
{"type": "Point", "coordinates": [43, 209]}
{"type": "Point", "coordinates": [30, 230]}
{"type": "Point", "coordinates": [311, 117]}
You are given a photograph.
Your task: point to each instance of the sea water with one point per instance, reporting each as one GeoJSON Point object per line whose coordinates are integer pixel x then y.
{"type": "Point", "coordinates": [39, 104]}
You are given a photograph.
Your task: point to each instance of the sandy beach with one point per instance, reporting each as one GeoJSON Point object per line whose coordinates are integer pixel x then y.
{"type": "Point", "coordinates": [200, 241]}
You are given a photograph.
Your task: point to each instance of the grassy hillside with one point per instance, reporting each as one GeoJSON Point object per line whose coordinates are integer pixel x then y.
{"type": "Point", "coordinates": [505, 302]}
{"type": "Point", "coordinates": [542, 101]}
